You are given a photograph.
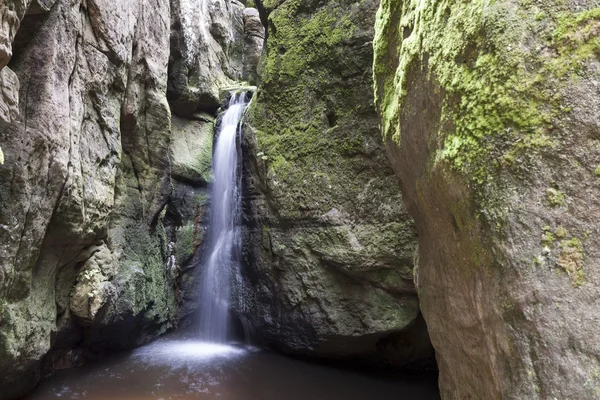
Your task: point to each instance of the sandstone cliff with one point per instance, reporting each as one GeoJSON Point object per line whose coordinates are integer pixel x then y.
{"type": "Point", "coordinates": [102, 197]}
{"type": "Point", "coordinates": [490, 115]}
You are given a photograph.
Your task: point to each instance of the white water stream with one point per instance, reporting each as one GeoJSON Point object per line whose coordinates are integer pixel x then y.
{"type": "Point", "coordinates": [224, 228]}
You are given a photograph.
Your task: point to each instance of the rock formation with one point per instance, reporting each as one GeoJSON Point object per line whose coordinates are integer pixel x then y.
{"type": "Point", "coordinates": [490, 115]}
{"type": "Point", "coordinates": [100, 193]}
{"type": "Point", "coordinates": [491, 151]}
{"type": "Point", "coordinates": [329, 247]}
{"type": "Point", "coordinates": [84, 180]}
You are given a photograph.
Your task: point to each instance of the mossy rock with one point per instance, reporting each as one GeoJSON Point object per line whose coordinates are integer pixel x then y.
{"type": "Point", "coordinates": [328, 244]}
{"type": "Point", "coordinates": [490, 118]}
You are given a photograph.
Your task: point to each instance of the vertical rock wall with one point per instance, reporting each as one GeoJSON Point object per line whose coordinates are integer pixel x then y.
{"type": "Point", "coordinates": [490, 114]}
{"type": "Point", "coordinates": [329, 248]}
{"type": "Point", "coordinates": [84, 180]}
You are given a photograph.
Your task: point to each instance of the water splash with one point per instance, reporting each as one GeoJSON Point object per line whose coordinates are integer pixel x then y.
{"type": "Point", "coordinates": [178, 353]}
{"type": "Point", "coordinates": [224, 228]}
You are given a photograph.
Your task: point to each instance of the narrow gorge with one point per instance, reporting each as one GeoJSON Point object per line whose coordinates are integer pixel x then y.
{"type": "Point", "coordinates": [267, 199]}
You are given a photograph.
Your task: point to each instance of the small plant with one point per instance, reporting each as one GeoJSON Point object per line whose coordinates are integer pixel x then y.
{"type": "Point", "coordinates": [561, 232]}
{"type": "Point", "coordinates": [555, 197]}
{"type": "Point", "coordinates": [571, 260]}
{"type": "Point", "coordinates": [548, 237]}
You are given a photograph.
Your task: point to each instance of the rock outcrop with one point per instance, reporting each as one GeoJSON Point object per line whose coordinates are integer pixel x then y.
{"type": "Point", "coordinates": [328, 246]}
{"type": "Point", "coordinates": [214, 44]}
{"type": "Point", "coordinates": [491, 117]}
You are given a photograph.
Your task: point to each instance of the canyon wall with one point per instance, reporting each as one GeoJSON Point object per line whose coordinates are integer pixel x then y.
{"type": "Point", "coordinates": [328, 246]}
{"type": "Point", "coordinates": [490, 113]}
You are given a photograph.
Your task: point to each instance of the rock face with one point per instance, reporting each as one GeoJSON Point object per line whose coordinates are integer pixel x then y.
{"type": "Point", "coordinates": [102, 198]}
{"type": "Point", "coordinates": [213, 44]}
{"type": "Point", "coordinates": [490, 112]}
{"type": "Point", "coordinates": [83, 184]}
{"type": "Point", "coordinates": [254, 39]}
{"type": "Point", "coordinates": [12, 13]}
{"type": "Point", "coordinates": [187, 210]}
{"type": "Point", "coordinates": [329, 247]}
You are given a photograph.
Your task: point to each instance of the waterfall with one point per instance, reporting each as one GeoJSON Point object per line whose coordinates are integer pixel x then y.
{"type": "Point", "coordinates": [224, 228]}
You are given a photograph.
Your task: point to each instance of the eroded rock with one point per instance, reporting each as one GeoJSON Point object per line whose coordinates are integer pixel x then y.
{"type": "Point", "coordinates": [85, 176]}
{"type": "Point", "coordinates": [254, 38]}
{"type": "Point", "coordinates": [207, 51]}
{"type": "Point", "coordinates": [9, 95]}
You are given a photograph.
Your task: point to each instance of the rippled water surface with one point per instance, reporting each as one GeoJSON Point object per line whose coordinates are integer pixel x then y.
{"type": "Point", "coordinates": [185, 369]}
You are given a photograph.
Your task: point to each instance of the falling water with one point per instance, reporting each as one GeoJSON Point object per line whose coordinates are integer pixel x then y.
{"type": "Point", "coordinates": [224, 235]}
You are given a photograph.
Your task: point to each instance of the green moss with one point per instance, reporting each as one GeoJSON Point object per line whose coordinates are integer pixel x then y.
{"type": "Point", "coordinates": [185, 244]}
{"type": "Point", "coordinates": [313, 116]}
{"type": "Point", "coordinates": [548, 238]}
{"type": "Point", "coordinates": [597, 171]}
{"type": "Point", "coordinates": [143, 274]}
{"type": "Point", "coordinates": [201, 199]}
{"type": "Point", "coordinates": [303, 39]}
{"type": "Point", "coordinates": [500, 102]}
{"type": "Point", "coordinates": [204, 164]}
{"type": "Point", "coordinates": [578, 279]}
{"type": "Point", "coordinates": [561, 232]}
{"type": "Point", "coordinates": [555, 198]}
{"type": "Point", "coordinates": [576, 40]}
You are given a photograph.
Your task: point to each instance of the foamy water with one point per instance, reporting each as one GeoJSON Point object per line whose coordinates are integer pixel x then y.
{"type": "Point", "coordinates": [185, 351]}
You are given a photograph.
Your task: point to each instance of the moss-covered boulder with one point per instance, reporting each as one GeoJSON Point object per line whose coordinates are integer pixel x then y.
{"type": "Point", "coordinates": [490, 112]}
{"type": "Point", "coordinates": [329, 247]}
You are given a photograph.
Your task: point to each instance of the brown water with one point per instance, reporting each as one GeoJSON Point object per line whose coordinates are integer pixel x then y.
{"type": "Point", "coordinates": [172, 369]}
